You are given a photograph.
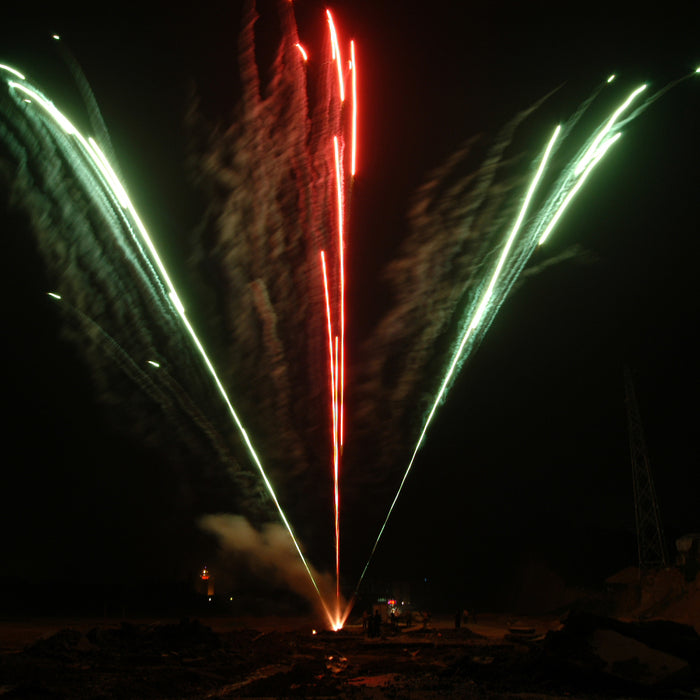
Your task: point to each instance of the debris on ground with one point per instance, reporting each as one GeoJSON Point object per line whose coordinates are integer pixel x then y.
{"type": "Point", "coordinates": [584, 658]}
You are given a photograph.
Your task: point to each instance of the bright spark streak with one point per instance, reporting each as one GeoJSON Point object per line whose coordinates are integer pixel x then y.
{"type": "Point", "coordinates": [592, 151]}
{"type": "Point", "coordinates": [331, 355]}
{"type": "Point", "coordinates": [14, 72]}
{"type": "Point", "coordinates": [56, 37]}
{"type": "Point", "coordinates": [341, 254]}
{"type": "Point", "coordinates": [611, 78]}
{"type": "Point", "coordinates": [47, 105]}
{"type": "Point", "coordinates": [334, 409]}
{"type": "Point", "coordinates": [336, 491]}
{"type": "Point", "coordinates": [567, 200]}
{"type": "Point", "coordinates": [330, 334]}
{"type": "Point", "coordinates": [467, 334]}
{"type": "Point", "coordinates": [335, 49]}
{"type": "Point", "coordinates": [104, 167]}
{"type": "Point", "coordinates": [353, 162]}
{"type": "Point", "coordinates": [100, 162]}
{"type": "Point", "coordinates": [504, 254]}
{"type": "Point", "coordinates": [54, 295]}
{"type": "Point", "coordinates": [304, 55]}
{"type": "Point", "coordinates": [335, 389]}
{"type": "Point", "coordinates": [154, 364]}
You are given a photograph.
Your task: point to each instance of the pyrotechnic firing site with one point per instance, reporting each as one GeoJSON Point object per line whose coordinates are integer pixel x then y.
{"type": "Point", "coordinates": [265, 438]}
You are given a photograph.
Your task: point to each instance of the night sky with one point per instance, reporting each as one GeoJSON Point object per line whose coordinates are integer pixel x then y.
{"type": "Point", "coordinates": [526, 467]}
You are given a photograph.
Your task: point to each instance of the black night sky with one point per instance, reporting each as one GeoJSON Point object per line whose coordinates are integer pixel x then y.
{"type": "Point", "coordinates": [527, 465]}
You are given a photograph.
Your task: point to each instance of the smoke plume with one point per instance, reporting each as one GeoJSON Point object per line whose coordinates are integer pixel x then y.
{"type": "Point", "coordinates": [269, 553]}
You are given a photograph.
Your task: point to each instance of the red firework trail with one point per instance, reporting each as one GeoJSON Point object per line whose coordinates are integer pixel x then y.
{"type": "Point", "coordinates": [334, 411]}
{"type": "Point", "coordinates": [302, 51]}
{"type": "Point", "coordinates": [336, 342]}
{"type": "Point", "coordinates": [335, 55]}
{"type": "Point", "coordinates": [353, 68]}
{"type": "Point", "coordinates": [341, 256]}
{"type": "Point", "coordinates": [333, 354]}
{"type": "Point", "coordinates": [341, 161]}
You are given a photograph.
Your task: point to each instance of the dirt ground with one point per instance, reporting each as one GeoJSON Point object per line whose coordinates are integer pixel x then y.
{"type": "Point", "coordinates": [498, 657]}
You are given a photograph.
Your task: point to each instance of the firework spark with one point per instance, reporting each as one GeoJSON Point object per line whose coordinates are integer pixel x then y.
{"type": "Point", "coordinates": [278, 179]}
{"type": "Point", "coordinates": [262, 237]}
{"type": "Point", "coordinates": [492, 284]}
{"type": "Point", "coordinates": [91, 167]}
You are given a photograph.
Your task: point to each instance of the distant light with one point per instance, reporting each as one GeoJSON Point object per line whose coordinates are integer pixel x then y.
{"type": "Point", "coordinates": [210, 599]}
{"type": "Point", "coordinates": [56, 37]}
{"type": "Point", "coordinates": [313, 631]}
{"type": "Point", "coordinates": [155, 364]}
{"type": "Point", "coordinates": [54, 295]}
{"type": "Point", "coordinates": [611, 78]}
{"type": "Point", "coordinates": [697, 70]}
{"type": "Point", "coordinates": [231, 598]}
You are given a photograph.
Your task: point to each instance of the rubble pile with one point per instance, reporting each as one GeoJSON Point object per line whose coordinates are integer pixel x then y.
{"type": "Point", "coordinates": [601, 652]}
{"type": "Point", "coordinates": [587, 657]}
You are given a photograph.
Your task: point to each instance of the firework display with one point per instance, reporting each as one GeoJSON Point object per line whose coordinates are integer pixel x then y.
{"type": "Point", "coordinates": [274, 237]}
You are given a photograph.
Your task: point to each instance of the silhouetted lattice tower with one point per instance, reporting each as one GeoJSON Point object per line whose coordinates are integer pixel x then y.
{"type": "Point", "coordinates": [650, 538]}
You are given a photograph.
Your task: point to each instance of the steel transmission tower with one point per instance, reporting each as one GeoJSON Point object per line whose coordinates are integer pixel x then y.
{"type": "Point", "coordinates": [650, 538]}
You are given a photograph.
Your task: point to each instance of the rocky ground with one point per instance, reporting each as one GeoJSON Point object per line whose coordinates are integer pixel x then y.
{"type": "Point", "coordinates": [584, 657]}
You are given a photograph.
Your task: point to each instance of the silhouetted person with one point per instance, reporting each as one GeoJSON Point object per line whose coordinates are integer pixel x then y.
{"type": "Point", "coordinates": [377, 619]}
{"type": "Point", "coordinates": [366, 621]}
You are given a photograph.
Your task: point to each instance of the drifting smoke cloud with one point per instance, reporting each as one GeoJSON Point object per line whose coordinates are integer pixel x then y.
{"type": "Point", "coordinates": [268, 179]}
{"type": "Point", "coordinates": [269, 553]}
{"type": "Point", "coordinates": [456, 220]}
{"type": "Point", "coordinates": [114, 309]}
{"type": "Point", "coordinates": [471, 239]}
{"type": "Point", "coordinates": [270, 185]}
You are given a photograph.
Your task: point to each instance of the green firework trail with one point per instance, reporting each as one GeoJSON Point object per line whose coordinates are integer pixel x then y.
{"type": "Point", "coordinates": [136, 279]}
{"type": "Point", "coordinates": [512, 242]}
{"type": "Point", "coordinates": [139, 278]}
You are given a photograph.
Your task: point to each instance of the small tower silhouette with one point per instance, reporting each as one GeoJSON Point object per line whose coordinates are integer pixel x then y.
{"type": "Point", "coordinates": [650, 539]}
{"type": "Point", "coordinates": [205, 582]}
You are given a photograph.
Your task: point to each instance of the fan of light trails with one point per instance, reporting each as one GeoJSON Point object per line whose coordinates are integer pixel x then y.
{"type": "Point", "coordinates": [515, 252]}
{"type": "Point", "coordinates": [90, 165]}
